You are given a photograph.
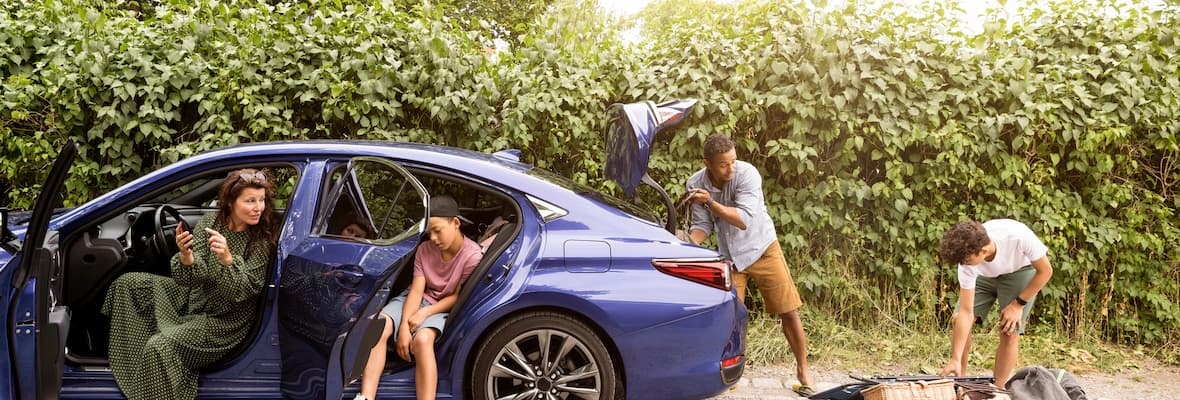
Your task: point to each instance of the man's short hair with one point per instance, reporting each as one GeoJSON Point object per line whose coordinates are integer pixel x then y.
{"type": "Point", "coordinates": [717, 144]}
{"type": "Point", "coordinates": [961, 241]}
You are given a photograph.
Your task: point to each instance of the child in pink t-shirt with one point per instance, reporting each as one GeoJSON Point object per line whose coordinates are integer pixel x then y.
{"type": "Point", "coordinates": [419, 314]}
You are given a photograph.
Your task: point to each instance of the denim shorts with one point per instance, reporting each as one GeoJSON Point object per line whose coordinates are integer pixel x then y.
{"type": "Point", "coordinates": [395, 307]}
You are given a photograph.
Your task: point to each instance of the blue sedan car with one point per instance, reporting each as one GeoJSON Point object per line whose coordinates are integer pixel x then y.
{"type": "Point", "coordinates": [579, 295]}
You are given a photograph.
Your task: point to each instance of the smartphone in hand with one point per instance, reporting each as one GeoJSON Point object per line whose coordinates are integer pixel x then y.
{"type": "Point", "coordinates": [179, 220]}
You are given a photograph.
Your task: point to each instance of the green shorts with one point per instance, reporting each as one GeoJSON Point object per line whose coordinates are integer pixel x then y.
{"type": "Point", "coordinates": [1004, 288]}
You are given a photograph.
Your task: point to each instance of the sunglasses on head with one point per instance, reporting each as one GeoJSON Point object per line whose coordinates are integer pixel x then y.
{"type": "Point", "coordinates": [256, 176]}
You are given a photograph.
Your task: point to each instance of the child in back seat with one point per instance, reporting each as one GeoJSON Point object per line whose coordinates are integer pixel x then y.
{"type": "Point", "coordinates": [489, 234]}
{"type": "Point", "coordinates": [419, 313]}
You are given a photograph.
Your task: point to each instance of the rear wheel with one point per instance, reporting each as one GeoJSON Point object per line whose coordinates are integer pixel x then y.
{"type": "Point", "coordinates": [544, 356]}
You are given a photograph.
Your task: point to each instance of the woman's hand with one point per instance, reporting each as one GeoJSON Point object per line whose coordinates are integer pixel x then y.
{"type": "Point", "coordinates": [184, 242]}
{"type": "Point", "coordinates": [403, 342]}
{"type": "Point", "coordinates": [219, 247]}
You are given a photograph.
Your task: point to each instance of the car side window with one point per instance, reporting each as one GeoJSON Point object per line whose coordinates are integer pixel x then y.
{"type": "Point", "coordinates": [375, 200]}
{"type": "Point", "coordinates": [203, 190]}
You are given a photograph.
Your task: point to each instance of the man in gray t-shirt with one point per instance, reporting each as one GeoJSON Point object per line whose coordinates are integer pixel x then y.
{"type": "Point", "coordinates": [727, 200]}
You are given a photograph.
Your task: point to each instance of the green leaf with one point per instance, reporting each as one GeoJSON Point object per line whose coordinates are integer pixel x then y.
{"type": "Point", "coordinates": [780, 68]}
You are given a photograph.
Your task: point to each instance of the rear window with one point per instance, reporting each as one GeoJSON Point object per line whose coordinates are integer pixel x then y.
{"type": "Point", "coordinates": [593, 194]}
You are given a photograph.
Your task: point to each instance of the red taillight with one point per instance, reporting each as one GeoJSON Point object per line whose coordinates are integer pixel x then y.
{"type": "Point", "coordinates": [731, 362]}
{"type": "Point", "coordinates": [712, 272]}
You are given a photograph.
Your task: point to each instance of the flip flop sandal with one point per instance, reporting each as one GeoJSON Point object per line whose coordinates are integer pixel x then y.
{"type": "Point", "coordinates": [803, 390]}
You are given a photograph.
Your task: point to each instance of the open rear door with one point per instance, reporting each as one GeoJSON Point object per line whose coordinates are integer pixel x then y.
{"type": "Point", "coordinates": [40, 326]}
{"type": "Point", "coordinates": [334, 285]}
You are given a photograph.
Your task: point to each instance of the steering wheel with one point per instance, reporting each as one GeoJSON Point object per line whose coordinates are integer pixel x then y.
{"type": "Point", "coordinates": [165, 238]}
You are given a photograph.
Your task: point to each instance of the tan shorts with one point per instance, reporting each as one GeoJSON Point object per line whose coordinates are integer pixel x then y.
{"type": "Point", "coordinates": [770, 272]}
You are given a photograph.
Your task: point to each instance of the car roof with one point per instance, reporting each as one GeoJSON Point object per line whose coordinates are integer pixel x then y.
{"type": "Point", "coordinates": [457, 158]}
{"type": "Point", "coordinates": [502, 168]}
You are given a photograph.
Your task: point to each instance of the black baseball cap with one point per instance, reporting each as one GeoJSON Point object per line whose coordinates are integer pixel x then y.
{"type": "Point", "coordinates": [443, 206]}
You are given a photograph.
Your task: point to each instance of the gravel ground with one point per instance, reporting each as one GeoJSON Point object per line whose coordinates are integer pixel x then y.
{"type": "Point", "coordinates": [773, 382]}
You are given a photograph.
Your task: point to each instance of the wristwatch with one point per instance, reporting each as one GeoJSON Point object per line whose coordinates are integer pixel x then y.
{"type": "Point", "coordinates": [1021, 301]}
{"type": "Point", "coordinates": [709, 205]}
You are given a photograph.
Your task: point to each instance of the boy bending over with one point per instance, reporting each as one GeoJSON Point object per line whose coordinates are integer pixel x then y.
{"type": "Point", "coordinates": [1002, 262]}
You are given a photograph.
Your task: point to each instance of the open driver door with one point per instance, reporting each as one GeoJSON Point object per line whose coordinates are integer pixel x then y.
{"type": "Point", "coordinates": [39, 326]}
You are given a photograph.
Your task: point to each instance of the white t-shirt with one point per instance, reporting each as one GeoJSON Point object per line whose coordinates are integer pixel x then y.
{"type": "Point", "coordinates": [1016, 246]}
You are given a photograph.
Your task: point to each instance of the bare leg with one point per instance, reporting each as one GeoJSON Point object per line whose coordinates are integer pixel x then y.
{"type": "Point", "coordinates": [376, 364]}
{"type": "Point", "coordinates": [966, 354]}
{"type": "Point", "coordinates": [793, 330]}
{"type": "Point", "coordinates": [739, 284]}
{"type": "Point", "coordinates": [1006, 356]}
{"type": "Point", "coordinates": [426, 369]}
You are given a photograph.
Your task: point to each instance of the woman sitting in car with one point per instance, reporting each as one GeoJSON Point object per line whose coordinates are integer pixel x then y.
{"type": "Point", "coordinates": [163, 329]}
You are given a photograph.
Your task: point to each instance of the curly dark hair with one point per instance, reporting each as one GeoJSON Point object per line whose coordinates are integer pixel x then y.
{"type": "Point", "coordinates": [232, 187]}
{"type": "Point", "coordinates": [717, 144]}
{"type": "Point", "coordinates": [962, 240]}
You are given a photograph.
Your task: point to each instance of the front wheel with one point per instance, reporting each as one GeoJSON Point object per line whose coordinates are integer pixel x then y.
{"type": "Point", "coordinates": [544, 356]}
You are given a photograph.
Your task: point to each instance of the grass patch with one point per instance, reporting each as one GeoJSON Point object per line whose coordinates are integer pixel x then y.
{"type": "Point", "coordinates": [895, 349]}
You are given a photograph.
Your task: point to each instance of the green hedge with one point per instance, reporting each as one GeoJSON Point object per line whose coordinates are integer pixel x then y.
{"type": "Point", "coordinates": [879, 128]}
{"type": "Point", "coordinates": [875, 129]}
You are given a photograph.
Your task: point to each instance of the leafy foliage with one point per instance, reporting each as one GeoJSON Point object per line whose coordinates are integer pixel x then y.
{"type": "Point", "coordinates": [875, 127]}
{"type": "Point", "coordinates": [879, 128]}
{"type": "Point", "coordinates": [658, 17]}
{"type": "Point", "coordinates": [507, 20]}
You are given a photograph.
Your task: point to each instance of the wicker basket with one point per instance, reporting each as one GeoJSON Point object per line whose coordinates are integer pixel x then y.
{"type": "Point", "coordinates": [942, 389]}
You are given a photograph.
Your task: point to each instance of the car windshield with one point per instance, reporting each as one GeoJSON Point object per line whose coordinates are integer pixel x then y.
{"type": "Point", "coordinates": [594, 194]}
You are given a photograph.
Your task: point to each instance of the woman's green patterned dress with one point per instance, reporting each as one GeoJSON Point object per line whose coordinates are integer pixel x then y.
{"type": "Point", "coordinates": [164, 329]}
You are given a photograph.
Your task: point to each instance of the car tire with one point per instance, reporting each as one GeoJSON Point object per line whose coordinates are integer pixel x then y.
{"type": "Point", "coordinates": [512, 361]}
